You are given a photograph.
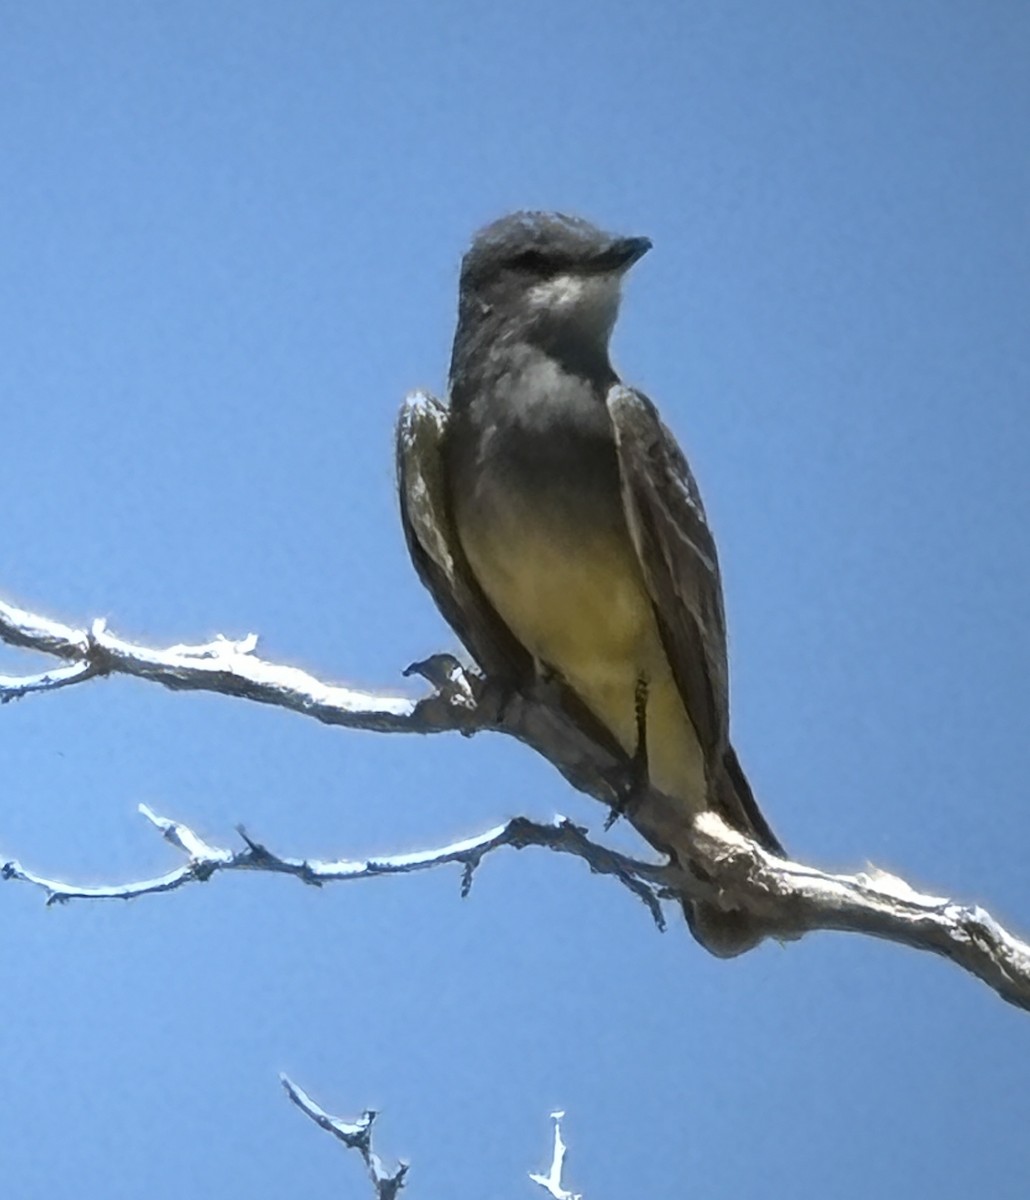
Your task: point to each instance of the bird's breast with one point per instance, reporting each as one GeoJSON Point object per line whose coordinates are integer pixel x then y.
{"type": "Point", "coordinates": [564, 579]}
{"type": "Point", "coordinates": [549, 545]}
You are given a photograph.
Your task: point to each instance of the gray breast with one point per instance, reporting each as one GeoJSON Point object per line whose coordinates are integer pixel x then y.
{"type": "Point", "coordinates": [539, 438]}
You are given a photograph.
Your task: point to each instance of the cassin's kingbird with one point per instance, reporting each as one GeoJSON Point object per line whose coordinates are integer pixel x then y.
{"type": "Point", "coordinates": [571, 532]}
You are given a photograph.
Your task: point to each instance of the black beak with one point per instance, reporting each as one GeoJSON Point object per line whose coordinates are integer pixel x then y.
{"type": "Point", "coordinates": [624, 252]}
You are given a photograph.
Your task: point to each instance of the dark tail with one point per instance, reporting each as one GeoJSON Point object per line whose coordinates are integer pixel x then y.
{"type": "Point", "coordinates": [739, 807]}
{"type": "Point", "coordinates": [729, 932]}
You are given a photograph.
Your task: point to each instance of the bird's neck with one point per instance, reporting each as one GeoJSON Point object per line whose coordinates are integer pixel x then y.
{"type": "Point", "coordinates": [489, 349]}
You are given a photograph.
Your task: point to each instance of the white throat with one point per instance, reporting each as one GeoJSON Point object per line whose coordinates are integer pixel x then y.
{"type": "Point", "coordinates": [588, 300]}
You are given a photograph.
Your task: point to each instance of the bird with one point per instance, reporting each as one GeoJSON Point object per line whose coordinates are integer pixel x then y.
{"type": "Point", "coordinates": [572, 535]}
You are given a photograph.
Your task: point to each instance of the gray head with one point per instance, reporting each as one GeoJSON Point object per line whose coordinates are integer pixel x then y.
{"type": "Point", "coordinates": [538, 268]}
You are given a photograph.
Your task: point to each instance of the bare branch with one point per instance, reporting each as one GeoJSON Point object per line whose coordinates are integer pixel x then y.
{"type": "Point", "coordinates": [31, 632]}
{"type": "Point", "coordinates": [645, 881]}
{"type": "Point", "coordinates": [462, 700]}
{"type": "Point", "coordinates": [721, 865]}
{"type": "Point", "coordinates": [355, 1135]}
{"type": "Point", "coordinates": [225, 666]}
{"type": "Point", "coordinates": [14, 687]}
{"type": "Point", "coordinates": [552, 1181]}
{"type": "Point", "coordinates": [793, 899]}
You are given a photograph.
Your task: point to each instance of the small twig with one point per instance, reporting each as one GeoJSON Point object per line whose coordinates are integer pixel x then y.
{"type": "Point", "coordinates": [14, 687]}
{"type": "Point", "coordinates": [552, 1181]}
{"type": "Point", "coordinates": [644, 880]}
{"type": "Point", "coordinates": [355, 1135]}
{"type": "Point", "coordinates": [223, 665]}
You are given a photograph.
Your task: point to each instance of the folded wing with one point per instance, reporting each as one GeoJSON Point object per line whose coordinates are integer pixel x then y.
{"type": "Point", "coordinates": [681, 569]}
{"type": "Point", "coordinates": [434, 547]}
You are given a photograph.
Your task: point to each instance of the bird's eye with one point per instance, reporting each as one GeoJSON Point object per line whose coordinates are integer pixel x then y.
{"type": "Point", "coordinates": [530, 260]}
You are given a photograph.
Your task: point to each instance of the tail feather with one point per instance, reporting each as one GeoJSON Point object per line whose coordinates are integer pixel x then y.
{"type": "Point", "coordinates": [723, 932]}
{"type": "Point", "coordinates": [729, 932]}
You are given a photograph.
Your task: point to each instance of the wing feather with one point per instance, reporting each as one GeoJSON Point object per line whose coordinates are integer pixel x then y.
{"type": "Point", "coordinates": [680, 563]}
{"type": "Point", "coordinates": [434, 547]}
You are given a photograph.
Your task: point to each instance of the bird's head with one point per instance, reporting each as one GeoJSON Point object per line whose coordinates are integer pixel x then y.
{"type": "Point", "coordinates": [546, 269]}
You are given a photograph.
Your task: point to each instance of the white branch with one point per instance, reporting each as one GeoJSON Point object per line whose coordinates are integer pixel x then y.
{"type": "Point", "coordinates": [794, 899]}
{"type": "Point", "coordinates": [204, 860]}
{"type": "Point", "coordinates": [355, 1135]}
{"type": "Point", "coordinates": [788, 898]}
{"type": "Point", "coordinates": [552, 1181]}
{"type": "Point", "coordinates": [229, 667]}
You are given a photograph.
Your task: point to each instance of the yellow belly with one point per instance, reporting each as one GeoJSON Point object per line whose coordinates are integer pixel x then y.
{"type": "Point", "coordinates": [582, 609]}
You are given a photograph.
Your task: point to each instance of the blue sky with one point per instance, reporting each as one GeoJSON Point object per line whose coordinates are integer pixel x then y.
{"type": "Point", "coordinates": [230, 245]}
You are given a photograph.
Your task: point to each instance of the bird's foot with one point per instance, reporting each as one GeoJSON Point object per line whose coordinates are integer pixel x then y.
{"type": "Point", "coordinates": [638, 783]}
